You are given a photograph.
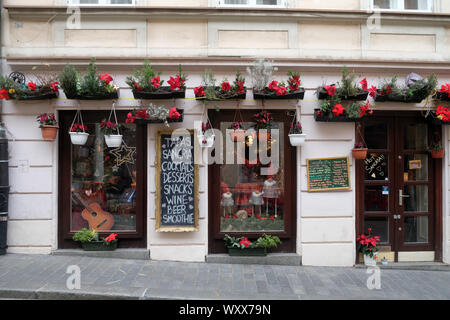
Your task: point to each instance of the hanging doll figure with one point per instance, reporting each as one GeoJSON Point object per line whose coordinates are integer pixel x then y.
{"type": "Point", "coordinates": [271, 191]}
{"type": "Point", "coordinates": [257, 201]}
{"type": "Point", "coordinates": [227, 203]}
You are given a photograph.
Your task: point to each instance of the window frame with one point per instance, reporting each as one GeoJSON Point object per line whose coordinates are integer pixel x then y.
{"type": "Point", "coordinates": [252, 4]}
{"type": "Point", "coordinates": [100, 3]}
{"type": "Point", "coordinates": [400, 6]}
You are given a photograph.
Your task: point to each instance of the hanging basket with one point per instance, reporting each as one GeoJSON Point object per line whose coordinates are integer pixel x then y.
{"type": "Point", "coordinates": [79, 138]}
{"type": "Point", "coordinates": [205, 141]}
{"type": "Point", "coordinates": [264, 135]}
{"type": "Point", "coordinates": [237, 135]}
{"type": "Point", "coordinates": [49, 132]}
{"type": "Point", "coordinates": [359, 153]}
{"type": "Point", "coordinates": [437, 154]}
{"type": "Point", "coordinates": [113, 140]}
{"type": "Point", "coordinates": [297, 140]}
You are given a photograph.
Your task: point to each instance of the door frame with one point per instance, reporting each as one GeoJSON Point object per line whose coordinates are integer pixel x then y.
{"type": "Point", "coordinates": [137, 239]}
{"type": "Point", "coordinates": [437, 176]}
{"type": "Point", "coordinates": [215, 237]}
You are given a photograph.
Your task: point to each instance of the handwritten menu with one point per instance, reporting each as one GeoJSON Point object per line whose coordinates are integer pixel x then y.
{"type": "Point", "coordinates": [176, 183]}
{"type": "Point", "coordinates": [328, 174]}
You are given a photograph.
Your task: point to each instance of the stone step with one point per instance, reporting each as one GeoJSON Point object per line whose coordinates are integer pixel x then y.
{"type": "Point", "coordinates": [422, 266]}
{"type": "Point", "coordinates": [132, 254]}
{"type": "Point", "coordinates": [282, 259]}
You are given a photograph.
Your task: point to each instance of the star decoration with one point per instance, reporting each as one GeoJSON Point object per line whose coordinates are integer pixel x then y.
{"type": "Point", "coordinates": [124, 154]}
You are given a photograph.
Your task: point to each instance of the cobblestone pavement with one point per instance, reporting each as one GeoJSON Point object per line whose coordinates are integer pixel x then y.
{"type": "Point", "coordinates": [44, 277]}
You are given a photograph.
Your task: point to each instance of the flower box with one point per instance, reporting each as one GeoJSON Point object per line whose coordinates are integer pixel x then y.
{"type": "Point", "coordinates": [326, 118]}
{"type": "Point", "coordinates": [297, 140]}
{"type": "Point", "coordinates": [269, 94]}
{"type": "Point", "coordinates": [443, 96]}
{"type": "Point", "coordinates": [322, 95]}
{"type": "Point", "coordinates": [51, 95]}
{"type": "Point", "coordinates": [161, 93]}
{"type": "Point", "coordinates": [169, 120]}
{"type": "Point", "coordinates": [225, 95]}
{"type": "Point", "coordinates": [99, 245]}
{"type": "Point", "coordinates": [393, 98]}
{"type": "Point", "coordinates": [106, 96]}
{"type": "Point", "coordinates": [249, 252]}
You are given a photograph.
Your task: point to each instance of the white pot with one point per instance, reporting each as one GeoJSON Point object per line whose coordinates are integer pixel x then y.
{"type": "Point", "coordinates": [297, 139]}
{"type": "Point", "coordinates": [113, 140]}
{"type": "Point", "coordinates": [79, 138]}
{"type": "Point", "coordinates": [368, 261]}
{"type": "Point", "coordinates": [205, 141]}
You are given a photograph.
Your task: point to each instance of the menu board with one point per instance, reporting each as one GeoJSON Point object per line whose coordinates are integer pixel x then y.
{"type": "Point", "coordinates": [328, 174]}
{"type": "Point", "coordinates": [176, 182]}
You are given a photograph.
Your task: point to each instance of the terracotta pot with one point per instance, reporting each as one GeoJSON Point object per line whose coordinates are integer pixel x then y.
{"type": "Point", "coordinates": [359, 153]}
{"type": "Point", "coordinates": [237, 135]}
{"type": "Point", "coordinates": [49, 132]}
{"type": "Point", "coordinates": [437, 154]}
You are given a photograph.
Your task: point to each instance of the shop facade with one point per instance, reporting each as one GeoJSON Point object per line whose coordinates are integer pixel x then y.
{"type": "Point", "coordinates": [399, 190]}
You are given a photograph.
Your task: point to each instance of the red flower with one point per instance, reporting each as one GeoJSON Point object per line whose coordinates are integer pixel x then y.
{"type": "Point", "coordinates": [175, 83]}
{"type": "Point", "coordinates": [4, 94]}
{"type": "Point", "coordinates": [111, 237]}
{"type": "Point", "coordinates": [338, 110]}
{"type": "Point", "coordinates": [281, 91]}
{"type": "Point", "coordinates": [54, 86]}
{"type": "Point", "coordinates": [174, 114]}
{"type": "Point", "coordinates": [331, 90]}
{"type": "Point", "coordinates": [234, 216]}
{"type": "Point", "coordinates": [199, 91]}
{"type": "Point", "coordinates": [156, 82]}
{"type": "Point", "coordinates": [226, 86]}
{"type": "Point", "coordinates": [363, 109]}
{"type": "Point", "coordinates": [245, 242]}
{"type": "Point", "coordinates": [137, 86]}
{"type": "Point", "coordinates": [373, 92]}
{"type": "Point", "coordinates": [272, 218]}
{"type": "Point", "coordinates": [446, 88]}
{"type": "Point", "coordinates": [31, 86]}
{"type": "Point", "coordinates": [319, 113]}
{"type": "Point", "coordinates": [363, 82]}
{"type": "Point", "coordinates": [273, 85]}
{"type": "Point", "coordinates": [142, 114]}
{"type": "Point", "coordinates": [227, 217]}
{"type": "Point", "coordinates": [106, 78]}
{"type": "Point", "coordinates": [443, 113]}
{"type": "Point", "coordinates": [240, 86]}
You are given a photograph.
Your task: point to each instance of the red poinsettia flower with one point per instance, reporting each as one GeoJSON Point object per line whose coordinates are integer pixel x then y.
{"type": "Point", "coordinates": [443, 113]}
{"type": "Point", "coordinates": [245, 242]}
{"type": "Point", "coordinates": [373, 92]}
{"type": "Point", "coordinates": [111, 237]}
{"type": "Point", "coordinates": [32, 86]}
{"type": "Point", "coordinates": [174, 114]}
{"type": "Point", "coordinates": [273, 85]}
{"type": "Point", "coordinates": [199, 91]}
{"type": "Point", "coordinates": [446, 88]}
{"type": "Point", "coordinates": [137, 86]}
{"type": "Point", "coordinates": [281, 91]}
{"type": "Point", "coordinates": [338, 110]}
{"type": "Point", "coordinates": [54, 86]}
{"type": "Point", "coordinates": [226, 86]}
{"type": "Point", "coordinates": [4, 94]}
{"type": "Point", "coordinates": [106, 78]}
{"type": "Point", "coordinates": [272, 218]}
{"type": "Point", "coordinates": [363, 83]}
{"type": "Point", "coordinates": [363, 109]}
{"type": "Point", "coordinates": [175, 83]}
{"type": "Point", "coordinates": [240, 86]}
{"type": "Point", "coordinates": [331, 90]}
{"type": "Point", "coordinates": [156, 82]}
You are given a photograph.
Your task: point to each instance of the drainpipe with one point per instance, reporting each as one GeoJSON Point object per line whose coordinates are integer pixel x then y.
{"type": "Point", "coordinates": [4, 176]}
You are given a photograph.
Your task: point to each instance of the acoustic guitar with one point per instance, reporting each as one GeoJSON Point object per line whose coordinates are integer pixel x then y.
{"type": "Point", "coordinates": [93, 213]}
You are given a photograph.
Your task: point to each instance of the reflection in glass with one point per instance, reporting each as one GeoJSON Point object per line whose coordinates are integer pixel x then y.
{"type": "Point", "coordinates": [415, 167]}
{"type": "Point", "coordinates": [416, 136]}
{"type": "Point", "coordinates": [380, 227]}
{"type": "Point", "coordinates": [251, 201]}
{"type": "Point", "coordinates": [376, 135]}
{"type": "Point", "coordinates": [415, 198]}
{"type": "Point", "coordinates": [104, 182]}
{"type": "Point", "coordinates": [376, 198]}
{"type": "Point", "coordinates": [376, 166]}
{"type": "Point", "coordinates": [416, 229]}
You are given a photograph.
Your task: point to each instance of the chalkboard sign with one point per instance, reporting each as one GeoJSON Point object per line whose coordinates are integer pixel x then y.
{"type": "Point", "coordinates": [328, 174]}
{"type": "Point", "coordinates": [176, 182]}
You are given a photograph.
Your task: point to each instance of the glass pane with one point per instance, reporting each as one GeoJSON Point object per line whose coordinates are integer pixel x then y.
{"type": "Point", "coordinates": [416, 229]}
{"type": "Point", "coordinates": [376, 198]}
{"type": "Point", "coordinates": [380, 227]}
{"type": "Point", "coordinates": [267, 2]}
{"type": "Point", "coordinates": [416, 136]}
{"type": "Point", "coordinates": [376, 166]}
{"type": "Point", "coordinates": [411, 4]}
{"type": "Point", "coordinates": [376, 135]}
{"type": "Point", "coordinates": [121, 1]}
{"type": "Point", "coordinates": [89, 1]}
{"type": "Point", "coordinates": [415, 198]}
{"type": "Point", "coordinates": [104, 182]}
{"type": "Point", "coordinates": [236, 1]}
{"type": "Point", "coordinates": [250, 200]}
{"type": "Point", "coordinates": [382, 4]}
{"type": "Point", "coordinates": [415, 167]}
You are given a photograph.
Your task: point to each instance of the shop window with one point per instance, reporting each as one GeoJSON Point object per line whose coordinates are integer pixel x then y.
{"type": "Point", "coordinates": [103, 182]}
{"type": "Point", "coordinates": [416, 5]}
{"type": "Point", "coordinates": [100, 2]}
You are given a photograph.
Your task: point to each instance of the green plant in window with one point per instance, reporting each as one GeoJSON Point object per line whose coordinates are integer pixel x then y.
{"type": "Point", "coordinates": [85, 235]}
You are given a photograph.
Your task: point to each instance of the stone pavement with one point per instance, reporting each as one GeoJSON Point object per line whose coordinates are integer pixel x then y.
{"type": "Point", "coordinates": [44, 277]}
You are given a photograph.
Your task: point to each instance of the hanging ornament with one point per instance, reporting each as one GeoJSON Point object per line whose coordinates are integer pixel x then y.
{"type": "Point", "coordinates": [124, 154]}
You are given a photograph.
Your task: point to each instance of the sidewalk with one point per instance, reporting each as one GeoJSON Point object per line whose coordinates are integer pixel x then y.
{"type": "Point", "coordinates": [44, 277]}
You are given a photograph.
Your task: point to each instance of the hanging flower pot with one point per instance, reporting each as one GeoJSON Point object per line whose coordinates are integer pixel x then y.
{"type": "Point", "coordinates": [359, 153]}
{"type": "Point", "coordinates": [437, 152]}
{"type": "Point", "coordinates": [111, 131]}
{"type": "Point", "coordinates": [297, 140]}
{"type": "Point", "coordinates": [113, 140]}
{"type": "Point", "coordinates": [49, 132]}
{"type": "Point", "coordinates": [77, 131]}
{"type": "Point", "coordinates": [237, 135]}
{"type": "Point", "coordinates": [205, 141]}
{"type": "Point", "coordinates": [79, 138]}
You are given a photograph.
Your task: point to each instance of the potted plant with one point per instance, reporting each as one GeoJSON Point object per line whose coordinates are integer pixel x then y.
{"type": "Point", "coordinates": [263, 124]}
{"type": "Point", "coordinates": [147, 84]}
{"type": "Point", "coordinates": [440, 116]}
{"type": "Point", "coordinates": [206, 136]}
{"type": "Point", "coordinates": [90, 241]}
{"type": "Point", "coordinates": [281, 90]}
{"type": "Point", "coordinates": [346, 89]}
{"type": "Point", "coordinates": [415, 90]}
{"type": "Point", "coordinates": [208, 91]}
{"type": "Point", "coordinates": [110, 130]}
{"type": "Point", "coordinates": [92, 86]}
{"type": "Point", "coordinates": [444, 93]}
{"type": "Point", "coordinates": [368, 246]}
{"type": "Point", "coordinates": [437, 151]}
{"type": "Point", "coordinates": [244, 247]}
{"type": "Point", "coordinates": [78, 134]}
{"type": "Point", "coordinates": [296, 135]}
{"type": "Point", "coordinates": [359, 151]}
{"type": "Point", "coordinates": [49, 126]}
{"type": "Point", "coordinates": [334, 111]}
{"type": "Point", "coordinates": [237, 131]}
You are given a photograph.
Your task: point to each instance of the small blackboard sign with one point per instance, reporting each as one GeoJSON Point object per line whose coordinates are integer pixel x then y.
{"type": "Point", "coordinates": [328, 174]}
{"type": "Point", "coordinates": [176, 182]}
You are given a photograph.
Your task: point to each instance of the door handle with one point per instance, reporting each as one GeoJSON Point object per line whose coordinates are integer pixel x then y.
{"type": "Point", "coordinates": [401, 196]}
